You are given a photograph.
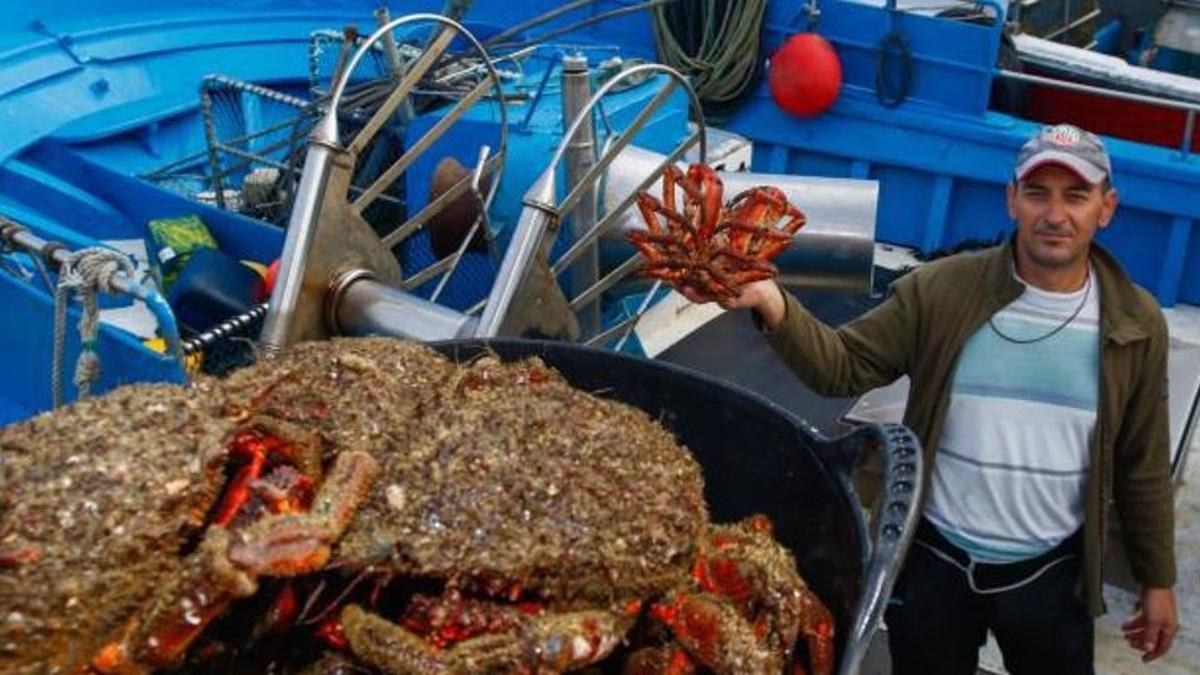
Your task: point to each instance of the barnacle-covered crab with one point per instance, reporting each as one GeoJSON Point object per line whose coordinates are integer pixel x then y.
{"type": "Point", "coordinates": [713, 247]}
{"type": "Point", "coordinates": [533, 520]}
{"type": "Point", "coordinates": [96, 501]}
{"type": "Point", "coordinates": [538, 524]}
{"type": "Point", "coordinates": [130, 521]}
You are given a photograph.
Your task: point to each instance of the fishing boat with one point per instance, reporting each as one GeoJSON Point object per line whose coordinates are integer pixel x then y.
{"type": "Point", "coordinates": [186, 184]}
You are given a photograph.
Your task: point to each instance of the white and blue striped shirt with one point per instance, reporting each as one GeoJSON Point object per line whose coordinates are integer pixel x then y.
{"type": "Point", "coordinates": [1013, 460]}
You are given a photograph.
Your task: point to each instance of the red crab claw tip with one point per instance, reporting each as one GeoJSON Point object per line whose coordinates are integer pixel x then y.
{"type": "Point", "coordinates": [332, 634]}
{"type": "Point", "coordinates": [21, 555]}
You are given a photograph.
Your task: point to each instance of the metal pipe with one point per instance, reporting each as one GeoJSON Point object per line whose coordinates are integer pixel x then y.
{"type": "Point", "coordinates": [600, 93]}
{"type": "Point", "coordinates": [363, 306]}
{"type": "Point", "coordinates": [614, 212]}
{"type": "Point", "coordinates": [382, 18]}
{"type": "Point", "coordinates": [541, 211]}
{"type": "Point", "coordinates": [434, 207]}
{"type": "Point", "coordinates": [535, 220]}
{"type": "Point", "coordinates": [1100, 91]}
{"type": "Point", "coordinates": [480, 220]}
{"type": "Point", "coordinates": [1073, 24]}
{"type": "Point", "coordinates": [56, 254]}
{"type": "Point", "coordinates": [615, 146]}
{"type": "Point", "coordinates": [580, 158]}
{"type": "Point", "coordinates": [637, 315]}
{"type": "Point", "coordinates": [419, 146]}
{"type": "Point", "coordinates": [399, 94]}
{"type": "Point", "coordinates": [278, 327]}
{"type": "Point", "coordinates": [611, 279]}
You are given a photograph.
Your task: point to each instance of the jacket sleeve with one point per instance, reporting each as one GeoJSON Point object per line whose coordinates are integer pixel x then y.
{"type": "Point", "coordinates": [1142, 472]}
{"type": "Point", "coordinates": [870, 351]}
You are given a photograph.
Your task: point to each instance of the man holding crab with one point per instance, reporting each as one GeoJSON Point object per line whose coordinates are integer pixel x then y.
{"type": "Point", "coordinates": [1039, 393]}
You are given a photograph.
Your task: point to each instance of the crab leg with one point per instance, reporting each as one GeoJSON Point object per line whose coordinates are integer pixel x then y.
{"type": "Point", "coordinates": [262, 440]}
{"type": "Point", "coordinates": [672, 176]}
{"type": "Point", "coordinates": [795, 222]}
{"type": "Point", "coordinates": [547, 643]}
{"type": "Point", "coordinates": [239, 491]}
{"type": "Point", "coordinates": [716, 280]}
{"type": "Point", "coordinates": [227, 566]}
{"type": "Point", "coordinates": [750, 605]}
{"type": "Point", "coordinates": [704, 191]}
{"type": "Point", "coordinates": [713, 632]}
{"type": "Point", "coordinates": [750, 238]}
{"type": "Point", "coordinates": [679, 227]}
{"type": "Point", "coordinates": [666, 660]}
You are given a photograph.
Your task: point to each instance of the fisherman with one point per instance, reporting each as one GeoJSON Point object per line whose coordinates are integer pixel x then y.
{"type": "Point", "coordinates": [1038, 376]}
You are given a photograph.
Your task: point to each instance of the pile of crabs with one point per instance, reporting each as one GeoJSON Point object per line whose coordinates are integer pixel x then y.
{"type": "Point", "coordinates": [378, 507]}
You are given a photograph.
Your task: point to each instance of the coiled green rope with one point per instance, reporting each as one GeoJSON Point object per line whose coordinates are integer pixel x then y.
{"type": "Point", "coordinates": [715, 42]}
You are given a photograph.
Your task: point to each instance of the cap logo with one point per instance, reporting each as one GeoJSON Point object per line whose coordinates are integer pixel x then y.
{"type": "Point", "coordinates": [1064, 134]}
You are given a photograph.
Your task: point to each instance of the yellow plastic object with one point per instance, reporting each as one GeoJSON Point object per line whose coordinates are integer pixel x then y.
{"type": "Point", "coordinates": [191, 362]}
{"type": "Point", "coordinates": [256, 266]}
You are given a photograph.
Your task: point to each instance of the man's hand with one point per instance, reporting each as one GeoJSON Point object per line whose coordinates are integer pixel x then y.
{"type": "Point", "coordinates": [1152, 627]}
{"type": "Point", "coordinates": [763, 296]}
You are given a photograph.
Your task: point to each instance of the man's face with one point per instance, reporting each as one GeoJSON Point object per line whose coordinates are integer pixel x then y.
{"type": "Point", "coordinates": [1058, 214]}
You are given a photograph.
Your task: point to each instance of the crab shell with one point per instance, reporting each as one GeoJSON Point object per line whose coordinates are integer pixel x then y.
{"type": "Point", "coordinates": [516, 484]}
{"type": "Point", "coordinates": [101, 501]}
{"type": "Point", "coordinates": [362, 393]}
{"type": "Point", "coordinates": [97, 502]}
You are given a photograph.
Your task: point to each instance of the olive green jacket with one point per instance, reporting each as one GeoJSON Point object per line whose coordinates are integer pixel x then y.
{"type": "Point", "coordinates": [920, 330]}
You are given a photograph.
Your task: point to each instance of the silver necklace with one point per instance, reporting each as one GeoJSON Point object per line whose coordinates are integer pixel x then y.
{"type": "Point", "coordinates": [1025, 341]}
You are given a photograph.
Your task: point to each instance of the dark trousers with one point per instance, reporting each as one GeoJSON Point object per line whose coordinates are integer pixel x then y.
{"type": "Point", "coordinates": [937, 622]}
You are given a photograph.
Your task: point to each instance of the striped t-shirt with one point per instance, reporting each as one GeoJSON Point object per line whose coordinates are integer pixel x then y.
{"type": "Point", "coordinates": [1012, 465]}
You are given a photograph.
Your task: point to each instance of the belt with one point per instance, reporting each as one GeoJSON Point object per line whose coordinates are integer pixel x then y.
{"type": "Point", "coordinates": [990, 578]}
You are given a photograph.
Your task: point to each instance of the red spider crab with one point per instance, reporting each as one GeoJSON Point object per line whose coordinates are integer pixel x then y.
{"type": "Point", "coordinates": [710, 247]}
{"type": "Point", "coordinates": [742, 611]}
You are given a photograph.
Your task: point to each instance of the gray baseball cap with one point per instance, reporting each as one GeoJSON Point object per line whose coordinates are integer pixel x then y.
{"type": "Point", "coordinates": [1066, 145]}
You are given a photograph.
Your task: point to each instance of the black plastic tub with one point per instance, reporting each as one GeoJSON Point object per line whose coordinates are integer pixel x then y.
{"type": "Point", "coordinates": [759, 458]}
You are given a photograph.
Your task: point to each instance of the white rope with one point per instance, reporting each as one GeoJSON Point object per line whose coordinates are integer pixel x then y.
{"type": "Point", "coordinates": [969, 571]}
{"type": "Point", "coordinates": [85, 272]}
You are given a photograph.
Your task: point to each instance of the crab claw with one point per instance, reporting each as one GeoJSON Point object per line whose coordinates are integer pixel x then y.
{"type": "Point", "coordinates": [547, 643]}
{"type": "Point", "coordinates": [227, 566]}
{"type": "Point", "coordinates": [16, 556]}
{"type": "Point", "coordinates": [749, 605]}
{"type": "Point", "coordinates": [752, 216]}
{"type": "Point", "coordinates": [713, 633]}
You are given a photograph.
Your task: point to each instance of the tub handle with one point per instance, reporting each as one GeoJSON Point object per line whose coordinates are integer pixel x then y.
{"type": "Point", "coordinates": [895, 518]}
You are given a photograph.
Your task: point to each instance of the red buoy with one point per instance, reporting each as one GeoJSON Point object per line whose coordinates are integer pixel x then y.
{"type": "Point", "coordinates": [272, 274]}
{"type": "Point", "coordinates": [805, 75]}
